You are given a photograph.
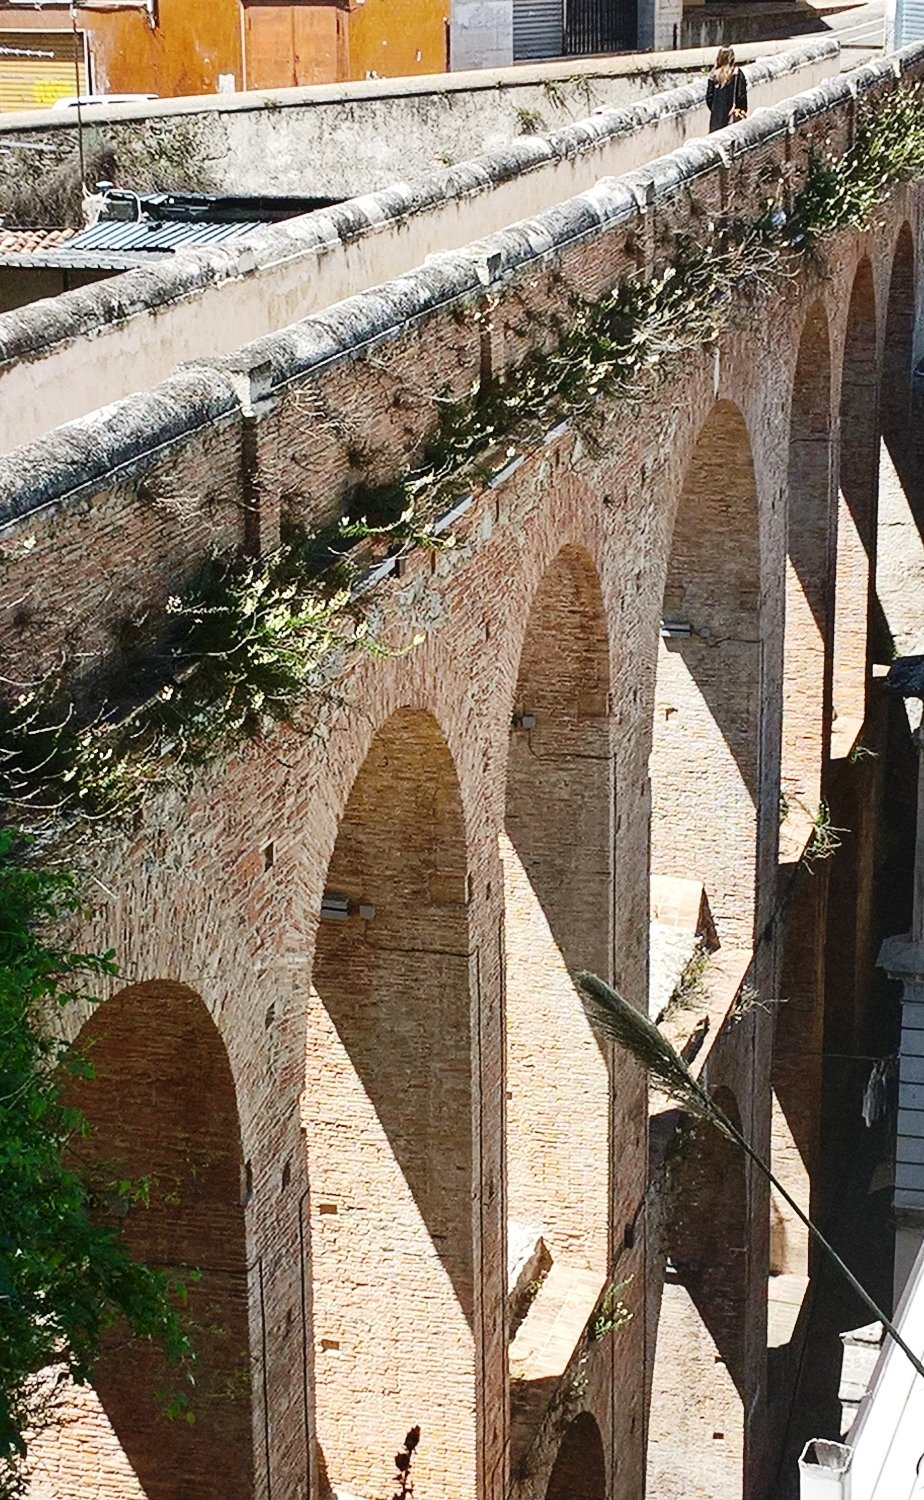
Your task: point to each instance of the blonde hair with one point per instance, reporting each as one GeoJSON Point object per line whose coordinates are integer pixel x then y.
{"type": "Point", "coordinates": [724, 65]}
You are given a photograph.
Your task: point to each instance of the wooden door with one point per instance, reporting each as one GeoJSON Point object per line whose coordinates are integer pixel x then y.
{"type": "Point", "coordinates": [291, 44]}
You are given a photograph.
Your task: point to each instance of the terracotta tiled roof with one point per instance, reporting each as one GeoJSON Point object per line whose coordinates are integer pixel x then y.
{"type": "Point", "coordinates": [20, 241]}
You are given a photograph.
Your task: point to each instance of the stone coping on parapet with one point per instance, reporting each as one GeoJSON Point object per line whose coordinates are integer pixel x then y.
{"type": "Point", "coordinates": [36, 330]}
{"type": "Point", "coordinates": [481, 80]}
{"type": "Point", "coordinates": [76, 457]}
{"type": "Point", "coordinates": [115, 444]}
{"type": "Point", "coordinates": [382, 312]}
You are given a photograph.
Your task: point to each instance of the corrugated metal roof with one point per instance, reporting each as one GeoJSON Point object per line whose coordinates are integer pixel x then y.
{"type": "Point", "coordinates": [168, 222]}
{"type": "Point", "coordinates": [156, 236]}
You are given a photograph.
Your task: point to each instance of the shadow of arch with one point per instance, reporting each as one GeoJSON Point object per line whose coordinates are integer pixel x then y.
{"type": "Point", "coordinates": [162, 1106]}
{"type": "Point", "coordinates": [899, 352]}
{"type": "Point", "coordinates": [557, 854]}
{"type": "Point", "coordinates": [389, 1116]}
{"type": "Point", "coordinates": [699, 1395]}
{"type": "Point", "coordinates": [708, 1234]}
{"type": "Point", "coordinates": [857, 491]}
{"type": "Point", "coordinates": [808, 625]}
{"type": "Point", "coordinates": [579, 1471]}
{"type": "Point", "coordinates": [900, 519]}
{"type": "Point", "coordinates": [704, 759]}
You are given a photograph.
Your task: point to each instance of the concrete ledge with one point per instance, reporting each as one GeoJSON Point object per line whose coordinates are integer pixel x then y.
{"type": "Point", "coordinates": [144, 322]}
{"type": "Point", "coordinates": [481, 80]}
{"type": "Point", "coordinates": [34, 330]}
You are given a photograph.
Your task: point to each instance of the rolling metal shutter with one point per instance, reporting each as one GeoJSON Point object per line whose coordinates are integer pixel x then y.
{"type": "Point", "coordinates": [30, 82]}
{"type": "Point", "coordinates": [909, 22]}
{"type": "Point", "coordinates": [538, 29]}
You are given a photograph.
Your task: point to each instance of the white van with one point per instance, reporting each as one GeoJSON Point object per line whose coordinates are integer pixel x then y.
{"type": "Point", "coordinates": [85, 101]}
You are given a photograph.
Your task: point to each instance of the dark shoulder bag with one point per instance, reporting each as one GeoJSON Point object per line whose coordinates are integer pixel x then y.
{"type": "Point", "coordinates": [737, 113]}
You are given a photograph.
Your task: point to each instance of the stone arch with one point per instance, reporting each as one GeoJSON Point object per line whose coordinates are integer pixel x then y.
{"type": "Point", "coordinates": [796, 1086]}
{"type": "Point", "coordinates": [856, 510]}
{"type": "Point", "coordinates": [808, 624]}
{"type": "Point", "coordinates": [390, 1123]}
{"type": "Point", "coordinates": [704, 759]}
{"type": "Point", "coordinates": [161, 1105]}
{"type": "Point", "coordinates": [900, 531]}
{"type": "Point", "coordinates": [700, 1388]}
{"type": "Point", "coordinates": [557, 852]}
{"type": "Point", "coordinates": [799, 1025]}
{"type": "Point", "coordinates": [579, 1471]}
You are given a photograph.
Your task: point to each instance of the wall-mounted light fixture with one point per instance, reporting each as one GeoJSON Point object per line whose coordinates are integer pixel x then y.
{"type": "Point", "coordinates": [524, 721]}
{"type": "Point", "coordinates": [676, 630]}
{"type": "Point", "coordinates": [334, 907]}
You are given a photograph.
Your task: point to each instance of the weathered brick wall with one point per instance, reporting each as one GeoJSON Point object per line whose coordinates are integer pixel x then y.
{"type": "Point", "coordinates": [130, 533]}
{"type": "Point", "coordinates": [704, 762]}
{"type": "Point", "coordinates": [388, 1112]}
{"type": "Point", "coordinates": [698, 1424]}
{"type": "Point", "coordinates": [162, 1111]}
{"type": "Point", "coordinates": [858, 465]}
{"type": "Point", "coordinates": [368, 1058]}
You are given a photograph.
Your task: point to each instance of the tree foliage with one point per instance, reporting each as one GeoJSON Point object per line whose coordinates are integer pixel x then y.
{"type": "Point", "coordinates": [65, 1274]}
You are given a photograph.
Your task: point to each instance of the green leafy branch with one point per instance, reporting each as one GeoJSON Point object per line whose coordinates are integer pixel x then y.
{"type": "Point", "coordinates": [842, 192]}
{"type": "Point", "coordinates": [244, 645]}
{"type": "Point", "coordinates": [611, 1313]}
{"type": "Point", "coordinates": [65, 1274]}
{"type": "Point", "coordinates": [825, 837]}
{"type": "Point", "coordinates": [618, 1021]}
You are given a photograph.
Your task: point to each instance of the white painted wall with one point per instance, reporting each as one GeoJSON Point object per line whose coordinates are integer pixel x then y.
{"type": "Point", "coordinates": [338, 140]}
{"type": "Point", "coordinates": [884, 1446]}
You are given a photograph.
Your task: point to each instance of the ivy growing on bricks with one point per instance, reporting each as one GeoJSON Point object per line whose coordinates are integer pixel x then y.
{"type": "Point", "coordinates": [243, 647]}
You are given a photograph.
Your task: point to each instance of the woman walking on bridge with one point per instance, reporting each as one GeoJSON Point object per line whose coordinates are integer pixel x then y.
{"type": "Point", "coordinates": [726, 91]}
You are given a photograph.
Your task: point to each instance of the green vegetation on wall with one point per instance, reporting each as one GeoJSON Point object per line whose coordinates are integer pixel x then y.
{"type": "Point", "coordinates": [65, 1275]}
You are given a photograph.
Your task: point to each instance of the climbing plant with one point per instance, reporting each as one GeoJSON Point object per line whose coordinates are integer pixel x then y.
{"type": "Point", "coordinates": [65, 1274]}
{"type": "Point", "coordinates": [239, 649]}
{"type": "Point", "coordinates": [841, 192]}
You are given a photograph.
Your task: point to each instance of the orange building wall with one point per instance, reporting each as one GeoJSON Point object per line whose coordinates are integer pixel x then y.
{"type": "Point", "coordinates": [286, 44]}
{"type": "Point", "coordinates": [392, 38]}
{"type": "Point", "coordinates": [193, 42]}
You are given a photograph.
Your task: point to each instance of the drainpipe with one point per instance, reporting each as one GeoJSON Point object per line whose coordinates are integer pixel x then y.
{"type": "Point", "coordinates": [824, 1470]}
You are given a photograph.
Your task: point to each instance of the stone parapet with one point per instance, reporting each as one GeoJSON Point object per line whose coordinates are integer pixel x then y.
{"type": "Point", "coordinates": [199, 303]}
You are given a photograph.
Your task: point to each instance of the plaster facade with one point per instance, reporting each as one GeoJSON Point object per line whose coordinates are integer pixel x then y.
{"type": "Point", "coordinates": [220, 46]}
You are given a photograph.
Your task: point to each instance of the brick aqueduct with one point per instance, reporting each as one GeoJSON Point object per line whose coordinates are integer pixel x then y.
{"type": "Point", "coordinates": [341, 1118]}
